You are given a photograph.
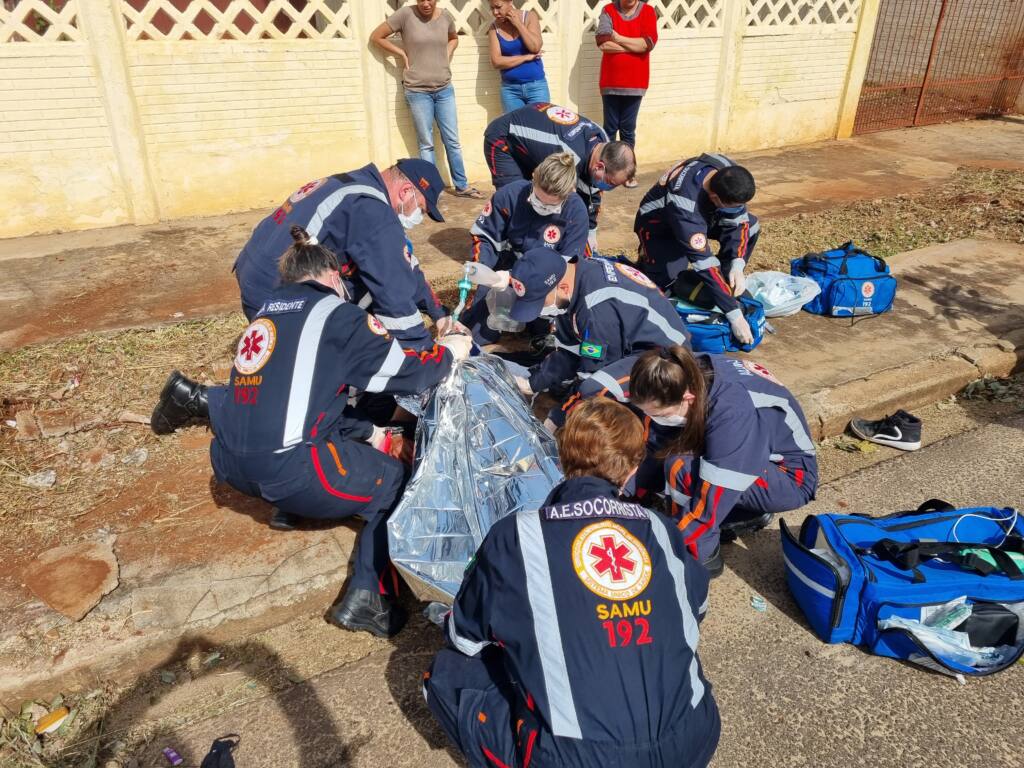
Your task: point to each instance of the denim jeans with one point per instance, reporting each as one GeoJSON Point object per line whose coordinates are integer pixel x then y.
{"type": "Point", "coordinates": [620, 113]}
{"type": "Point", "coordinates": [439, 106]}
{"type": "Point", "coordinates": [516, 95]}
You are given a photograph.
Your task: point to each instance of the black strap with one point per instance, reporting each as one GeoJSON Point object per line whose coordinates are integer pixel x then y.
{"type": "Point", "coordinates": [932, 505]}
{"type": "Point", "coordinates": [908, 555]}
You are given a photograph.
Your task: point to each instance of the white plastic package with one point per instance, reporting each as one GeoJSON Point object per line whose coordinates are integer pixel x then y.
{"type": "Point", "coordinates": [781, 294]}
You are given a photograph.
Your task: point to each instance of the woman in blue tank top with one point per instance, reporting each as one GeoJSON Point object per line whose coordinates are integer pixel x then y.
{"type": "Point", "coordinates": [516, 42]}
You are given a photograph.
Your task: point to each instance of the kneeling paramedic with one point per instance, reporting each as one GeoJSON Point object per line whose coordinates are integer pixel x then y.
{"type": "Point", "coordinates": [518, 141]}
{"type": "Point", "coordinates": [573, 639]}
{"type": "Point", "coordinates": [284, 430]}
{"type": "Point", "coordinates": [603, 311]}
{"type": "Point", "coordinates": [522, 216]}
{"type": "Point", "coordinates": [700, 200]}
{"type": "Point", "coordinates": [361, 216]}
{"type": "Point", "coordinates": [734, 441]}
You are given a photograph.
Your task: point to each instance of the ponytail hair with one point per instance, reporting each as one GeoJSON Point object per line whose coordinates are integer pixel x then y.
{"type": "Point", "coordinates": [556, 175]}
{"type": "Point", "coordinates": [305, 259]}
{"type": "Point", "coordinates": [661, 377]}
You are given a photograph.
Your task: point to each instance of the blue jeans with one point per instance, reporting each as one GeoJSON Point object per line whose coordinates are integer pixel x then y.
{"type": "Point", "coordinates": [516, 95]}
{"type": "Point", "coordinates": [439, 106]}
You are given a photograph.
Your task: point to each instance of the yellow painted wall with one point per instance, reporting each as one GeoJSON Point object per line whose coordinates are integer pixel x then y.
{"type": "Point", "coordinates": [108, 127]}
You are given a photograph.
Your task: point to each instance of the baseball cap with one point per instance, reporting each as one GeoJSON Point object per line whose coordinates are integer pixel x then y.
{"type": "Point", "coordinates": [532, 278]}
{"type": "Point", "coordinates": [425, 176]}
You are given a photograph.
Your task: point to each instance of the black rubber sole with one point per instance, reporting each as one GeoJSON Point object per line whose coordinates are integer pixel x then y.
{"type": "Point", "coordinates": [346, 620]}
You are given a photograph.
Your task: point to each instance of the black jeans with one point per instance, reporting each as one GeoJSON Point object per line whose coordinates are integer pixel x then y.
{"type": "Point", "coordinates": [620, 114]}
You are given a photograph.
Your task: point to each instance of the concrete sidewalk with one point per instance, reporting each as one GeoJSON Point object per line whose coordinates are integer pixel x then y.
{"type": "Point", "coordinates": [196, 557]}
{"type": "Point", "coordinates": [61, 285]}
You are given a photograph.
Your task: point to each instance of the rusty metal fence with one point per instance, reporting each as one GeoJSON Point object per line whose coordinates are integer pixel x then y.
{"type": "Point", "coordinates": [933, 61]}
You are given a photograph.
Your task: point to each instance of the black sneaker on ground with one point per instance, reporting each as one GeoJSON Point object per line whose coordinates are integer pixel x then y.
{"type": "Point", "coordinates": [714, 563]}
{"type": "Point", "coordinates": [180, 401]}
{"type": "Point", "coordinates": [736, 524]}
{"type": "Point", "coordinates": [365, 610]}
{"type": "Point", "coordinates": [901, 430]}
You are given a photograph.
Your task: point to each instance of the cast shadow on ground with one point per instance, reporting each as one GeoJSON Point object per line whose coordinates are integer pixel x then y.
{"type": "Point", "coordinates": [757, 560]}
{"type": "Point", "coordinates": [313, 730]}
{"type": "Point", "coordinates": [452, 242]}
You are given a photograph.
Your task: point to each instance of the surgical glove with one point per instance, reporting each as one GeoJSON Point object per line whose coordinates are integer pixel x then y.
{"type": "Point", "coordinates": [524, 386]}
{"type": "Point", "coordinates": [592, 240]}
{"type": "Point", "coordinates": [446, 326]}
{"type": "Point", "coordinates": [737, 280]}
{"type": "Point", "coordinates": [378, 438]}
{"type": "Point", "coordinates": [458, 344]}
{"type": "Point", "coordinates": [741, 330]}
{"type": "Point", "coordinates": [481, 274]}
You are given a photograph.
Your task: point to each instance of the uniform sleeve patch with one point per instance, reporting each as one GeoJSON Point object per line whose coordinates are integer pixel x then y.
{"type": "Point", "coordinates": [562, 116]}
{"type": "Point", "coordinates": [517, 287]}
{"type": "Point", "coordinates": [698, 241]}
{"type": "Point", "coordinates": [256, 346]}
{"type": "Point", "coordinates": [552, 234]}
{"type": "Point", "coordinates": [375, 325]}
{"type": "Point", "coordinates": [635, 275]}
{"type": "Point", "coordinates": [761, 371]}
{"type": "Point", "coordinates": [487, 209]}
{"type": "Point", "coordinates": [281, 307]}
{"type": "Point", "coordinates": [610, 561]}
{"type": "Point", "coordinates": [306, 190]}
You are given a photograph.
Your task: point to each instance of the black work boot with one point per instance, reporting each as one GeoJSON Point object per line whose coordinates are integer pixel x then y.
{"type": "Point", "coordinates": [283, 521]}
{"type": "Point", "coordinates": [364, 609]}
{"type": "Point", "coordinates": [181, 399]}
{"type": "Point", "coordinates": [732, 529]}
{"type": "Point", "coordinates": [714, 563]}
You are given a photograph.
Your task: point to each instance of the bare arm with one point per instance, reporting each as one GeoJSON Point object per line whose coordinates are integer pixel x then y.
{"type": "Point", "coordinates": [453, 43]}
{"type": "Point", "coordinates": [529, 32]}
{"type": "Point", "coordinates": [630, 44]}
{"type": "Point", "coordinates": [379, 37]}
{"type": "Point", "coordinates": [610, 47]}
{"type": "Point", "coordinates": [500, 62]}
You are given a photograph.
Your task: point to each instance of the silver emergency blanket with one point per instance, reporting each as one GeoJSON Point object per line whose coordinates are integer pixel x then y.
{"type": "Point", "coordinates": [480, 455]}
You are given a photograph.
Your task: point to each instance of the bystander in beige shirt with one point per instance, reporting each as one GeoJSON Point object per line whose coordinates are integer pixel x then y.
{"type": "Point", "coordinates": [426, 45]}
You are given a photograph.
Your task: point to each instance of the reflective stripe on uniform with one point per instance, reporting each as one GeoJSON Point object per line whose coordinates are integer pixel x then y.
{"type": "Point", "coordinates": [755, 228]}
{"type": "Point", "coordinates": [652, 206]}
{"type": "Point", "coordinates": [725, 478]}
{"type": "Point", "coordinates": [305, 367]}
{"type": "Point", "coordinates": [721, 158]}
{"type": "Point", "coordinates": [462, 644]}
{"type": "Point", "coordinates": [546, 630]}
{"type": "Point", "coordinates": [678, 497]}
{"type": "Point", "coordinates": [403, 323]}
{"type": "Point", "coordinates": [734, 222]}
{"type": "Point", "coordinates": [572, 349]}
{"type": "Point", "coordinates": [391, 366]}
{"type": "Point", "coordinates": [366, 301]}
{"type": "Point", "coordinates": [702, 265]}
{"type": "Point", "coordinates": [684, 203]}
{"type": "Point", "coordinates": [499, 245]}
{"type": "Point", "coordinates": [333, 200]}
{"type": "Point", "coordinates": [690, 631]}
{"type": "Point", "coordinates": [544, 138]}
{"type": "Point", "coordinates": [609, 382]}
{"type": "Point", "coordinates": [800, 436]}
{"type": "Point", "coordinates": [636, 300]}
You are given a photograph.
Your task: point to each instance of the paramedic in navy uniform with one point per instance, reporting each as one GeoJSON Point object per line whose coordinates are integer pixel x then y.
{"type": "Point", "coordinates": [283, 427]}
{"type": "Point", "coordinates": [361, 217]}
{"type": "Point", "coordinates": [699, 200]}
{"type": "Point", "coordinates": [517, 142]}
{"type": "Point", "coordinates": [734, 440]}
{"type": "Point", "coordinates": [573, 639]}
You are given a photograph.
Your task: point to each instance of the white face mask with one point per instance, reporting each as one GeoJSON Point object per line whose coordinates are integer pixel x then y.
{"type": "Point", "coordinates": [543, 209]}
{"type": "Point", "coordinates": [552, 310]}
{"type": "Point", "coordinates": [669, 421]}
{"type": "Point", "coordinates": [410, 220]}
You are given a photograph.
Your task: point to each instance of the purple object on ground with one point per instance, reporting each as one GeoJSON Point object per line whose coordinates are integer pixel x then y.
{"type": "Point", "coordinates": [173, 757]}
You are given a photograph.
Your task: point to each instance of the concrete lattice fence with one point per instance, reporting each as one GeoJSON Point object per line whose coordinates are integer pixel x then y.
{"type": "Point", "coordinates": [121, 111]}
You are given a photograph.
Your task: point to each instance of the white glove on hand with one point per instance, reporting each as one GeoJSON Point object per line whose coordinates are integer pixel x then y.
{"type": "Point", "coordinates": [446, 326]}
{"type": "Point", "coordinates": [458, 344]}
{"type": "Point", "coordinates": [524, 386]}
{"type": "Point", "coordinates": [377, 438]}
{"type": "Point", "coordinates": [592, 240]}
{"type": "Point", "coordinates": [737, 280]}
{"type": "Point", "coordinates": [481, 274]}
{"type": "Point", "coordinates": [741, 330]}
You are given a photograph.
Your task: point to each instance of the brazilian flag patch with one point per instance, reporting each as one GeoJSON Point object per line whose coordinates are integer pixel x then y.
{"type": "Point", "coordinates": [592, 349]}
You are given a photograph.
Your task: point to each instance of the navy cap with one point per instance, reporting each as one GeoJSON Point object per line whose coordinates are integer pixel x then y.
{"type": "Point", "coordinates": [532, 278]}
{"type": "Point", "coordinates": [426, 178]}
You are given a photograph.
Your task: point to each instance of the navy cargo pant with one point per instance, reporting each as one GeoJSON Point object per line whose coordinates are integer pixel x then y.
{"type": "Point", "coordinates": [662, 260]}
{"type": "Point", "coordinates": [779, 488]}
{"type": "Point", "coordinates": [330, 478]}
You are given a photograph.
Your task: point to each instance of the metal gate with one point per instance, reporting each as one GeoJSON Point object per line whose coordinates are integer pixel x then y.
{"type": "Point", "coordinates": [933, 61]}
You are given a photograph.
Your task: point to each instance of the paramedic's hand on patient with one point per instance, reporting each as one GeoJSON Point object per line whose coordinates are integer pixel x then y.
{"type": "Point", "coordinates": [524, 386]}
{"type": "Point", "coordinates": [378, 438]}
{"type": "Point", "coordinates": [459, 344]}
{"type": "Point", "coordinates": [481, 274]}
{"type": "Point", "coordinates": [737, 280]}
{"type": "Point", "coordinates": [741, 330]}
{"type": "Point", "coordinates": [446, 326]}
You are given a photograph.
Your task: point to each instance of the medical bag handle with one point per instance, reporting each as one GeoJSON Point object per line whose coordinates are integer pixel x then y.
{"type": "Point", "coordinates": [932, 505]}
{"type": "Point", "coordinates": [908, 555]}
{"type": "Point", "coordinates": [848, 249]}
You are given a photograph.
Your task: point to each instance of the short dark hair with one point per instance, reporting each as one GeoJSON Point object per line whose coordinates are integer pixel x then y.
{"type": "Point", "coordinates": [734, 185]}
{"type": "Point", "coordinates": [618, 157]}
{"type": "Point", "coordinates": [304, 259]}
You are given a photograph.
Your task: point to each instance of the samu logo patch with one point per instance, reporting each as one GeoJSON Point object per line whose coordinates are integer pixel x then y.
{"type": "Point", "coordinates": [256, 346]}
{"type": "Point", "coordinates": [610, 561]}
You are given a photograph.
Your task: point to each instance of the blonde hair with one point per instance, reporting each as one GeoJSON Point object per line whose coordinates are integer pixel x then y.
{"type": "Point", "coordinates": [556, 175]}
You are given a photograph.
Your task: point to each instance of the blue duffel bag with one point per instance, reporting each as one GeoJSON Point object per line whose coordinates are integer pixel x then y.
{"type": "Point", "coordinates": [937, 586]}
{"type": "Point", "coordinates": [853, 282]}
{"type": "Point", "coordinates": [709, 331]}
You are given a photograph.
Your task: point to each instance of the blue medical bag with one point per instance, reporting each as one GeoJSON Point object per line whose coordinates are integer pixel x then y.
{"type": "Point", "coordinates": [853, 282]}
{"type": "Point", "coordinates": [851, 573]}
{"type": "Point", "coordinates": [709, 331]}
